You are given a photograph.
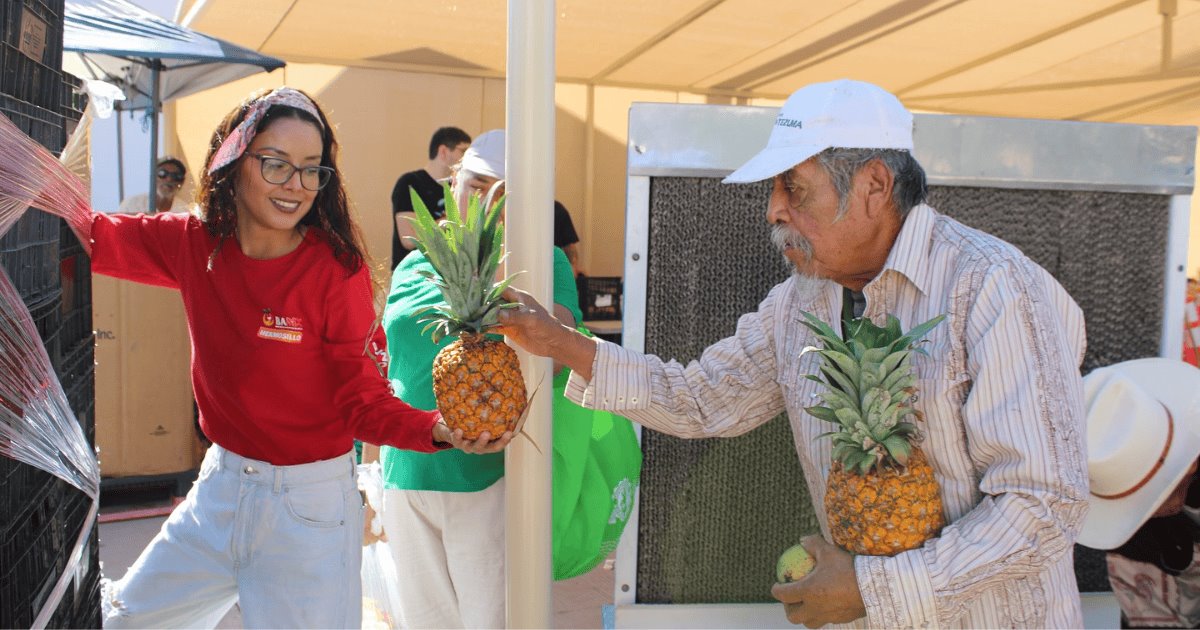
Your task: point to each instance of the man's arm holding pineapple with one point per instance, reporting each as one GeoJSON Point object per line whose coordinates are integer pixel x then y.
{"type": "Point", "coordinates": [1023, 422]}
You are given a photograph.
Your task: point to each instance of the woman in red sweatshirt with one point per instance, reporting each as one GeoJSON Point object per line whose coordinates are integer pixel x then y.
{"type": "Point", "coordinates": [287, 367]}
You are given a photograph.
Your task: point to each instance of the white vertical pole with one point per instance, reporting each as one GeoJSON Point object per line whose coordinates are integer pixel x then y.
{"type": "Point", "coordinates": [530, 235]}
{"type": "Point", "coordinates": [1170, 345]}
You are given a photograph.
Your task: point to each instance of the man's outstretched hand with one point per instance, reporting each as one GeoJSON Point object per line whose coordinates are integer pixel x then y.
{"type": "Point", "coordinates": [827, 595]}
{"type": "Point", "coordinates": [538, 332]}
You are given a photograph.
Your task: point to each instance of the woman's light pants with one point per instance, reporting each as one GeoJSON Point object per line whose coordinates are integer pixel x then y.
{"type": "Point", "coordinates": [285, 542]}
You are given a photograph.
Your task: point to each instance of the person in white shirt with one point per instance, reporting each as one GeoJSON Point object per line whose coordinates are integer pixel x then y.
{"type": "Point", "coordinates": [1143, 433]}
{"type": "Point", "coordinates": [168, 178]}
{"type": "Point", "coordinates": [1000, 390]}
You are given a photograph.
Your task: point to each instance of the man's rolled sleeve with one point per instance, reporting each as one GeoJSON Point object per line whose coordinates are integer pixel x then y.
{"type": "Point", "coordinates": [896, 591]}
{"type": "Point", "coordinates": [620, 380]}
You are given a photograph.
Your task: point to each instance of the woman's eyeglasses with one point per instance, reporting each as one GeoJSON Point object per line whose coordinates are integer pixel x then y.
{"type": "Point", "coordinates": [277, 171]}
{"type": "Point", "coordinates": [174, 176]}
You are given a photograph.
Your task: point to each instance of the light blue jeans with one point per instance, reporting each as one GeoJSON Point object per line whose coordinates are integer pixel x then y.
{"type": "Point", "coordinates": [283, 541]}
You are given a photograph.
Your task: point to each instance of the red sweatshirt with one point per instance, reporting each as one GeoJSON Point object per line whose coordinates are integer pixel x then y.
{"type": "Point", "coordinates": [279, 347]}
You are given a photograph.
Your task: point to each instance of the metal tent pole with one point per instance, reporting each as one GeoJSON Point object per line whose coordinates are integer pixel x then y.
{"type": "Point", "coordinates": [120, 155]}
{"type": "Point", "coordinates": [529, 239]}
{"type": "Point", "coordinates": [151, 192]}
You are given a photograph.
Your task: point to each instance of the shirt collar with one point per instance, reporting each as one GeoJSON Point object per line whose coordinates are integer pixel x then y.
{"type": "Point", "coordinates": [910, 253]}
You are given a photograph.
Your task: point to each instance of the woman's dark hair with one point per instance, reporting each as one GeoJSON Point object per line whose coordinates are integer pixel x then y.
{"type": "Point", "coordinates": [330, 210]}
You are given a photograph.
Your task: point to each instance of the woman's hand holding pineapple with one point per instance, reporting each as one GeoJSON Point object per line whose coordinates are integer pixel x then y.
{"type": "Point", "coordinates": [480, 445]}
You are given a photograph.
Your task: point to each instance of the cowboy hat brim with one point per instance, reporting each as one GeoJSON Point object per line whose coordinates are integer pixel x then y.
{"type": "Point", "coordinates": [1111, 522]}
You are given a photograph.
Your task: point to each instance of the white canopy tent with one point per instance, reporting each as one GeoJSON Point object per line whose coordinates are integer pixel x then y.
{"type": "Point", "coordinates": [1099, 60]}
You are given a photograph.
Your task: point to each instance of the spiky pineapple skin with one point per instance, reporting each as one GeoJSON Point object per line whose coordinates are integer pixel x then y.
{"type": "Point", "coordinates": [886, 511]}
{"type": "Point", "coordinates": [478, 385]}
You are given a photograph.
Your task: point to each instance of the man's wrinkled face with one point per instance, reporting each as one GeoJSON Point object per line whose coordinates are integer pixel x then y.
{"type": "Point", "coordinates": [803, 211]}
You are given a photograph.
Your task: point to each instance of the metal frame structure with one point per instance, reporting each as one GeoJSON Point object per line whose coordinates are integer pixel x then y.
{"type": "Point", "coordinates": [673, 140]}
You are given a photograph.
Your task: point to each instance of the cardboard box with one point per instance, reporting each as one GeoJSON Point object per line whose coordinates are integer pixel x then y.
{"type": "Point", "coordinates": [144, 417]}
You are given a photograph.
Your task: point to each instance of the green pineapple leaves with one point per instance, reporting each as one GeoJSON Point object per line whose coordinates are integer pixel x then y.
{"type": "Point", "coordinates": [869, 389]}
{"type": "Point", "coordinates": [465, 249]}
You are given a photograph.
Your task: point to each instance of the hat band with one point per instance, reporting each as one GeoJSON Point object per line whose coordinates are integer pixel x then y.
{"type": "Point", "coordinates": [1157, 465]}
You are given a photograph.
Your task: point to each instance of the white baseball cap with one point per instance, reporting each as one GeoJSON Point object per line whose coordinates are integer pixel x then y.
{"type": "Point", "coordinates": [844, 113]}
{"type": "Point", "coordinates": [1143, 433]}
{"type": "Point", "coordinates": [485, 156]}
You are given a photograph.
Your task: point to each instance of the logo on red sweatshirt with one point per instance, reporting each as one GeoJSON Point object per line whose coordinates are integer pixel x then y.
{"type": "Point", "coordinates": [281, 328]}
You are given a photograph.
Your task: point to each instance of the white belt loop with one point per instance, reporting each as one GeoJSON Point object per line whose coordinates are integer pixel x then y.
{"type": "Point", "coordinates": [278, 478]}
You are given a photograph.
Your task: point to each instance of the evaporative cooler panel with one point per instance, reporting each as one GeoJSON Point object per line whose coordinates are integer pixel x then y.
{"type": "Point", "coordinates": [714, 514]}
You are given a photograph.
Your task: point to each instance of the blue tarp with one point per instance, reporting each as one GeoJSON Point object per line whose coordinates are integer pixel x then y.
{"type": "Point", "coordinates": [117, 41]}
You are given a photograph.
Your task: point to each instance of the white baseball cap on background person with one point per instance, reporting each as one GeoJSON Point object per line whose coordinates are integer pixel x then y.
{"type": "Point", "coordinates": [846, 114]}
{"type": "Point", "coordinates": [1143, 433]}
{"type": "Point", "coordinates": [485, 156]}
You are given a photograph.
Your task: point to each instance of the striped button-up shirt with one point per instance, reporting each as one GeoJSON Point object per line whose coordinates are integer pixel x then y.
{"type": "Point", "coordinates": [1003, 407]}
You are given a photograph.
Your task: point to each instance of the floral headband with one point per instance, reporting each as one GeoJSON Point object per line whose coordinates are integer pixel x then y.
{"type": "Point", "coordinates": [236, 142]}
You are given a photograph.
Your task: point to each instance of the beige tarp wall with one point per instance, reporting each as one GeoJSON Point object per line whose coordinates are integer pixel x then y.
{"type": "Point", "coordinates": [384, 120]}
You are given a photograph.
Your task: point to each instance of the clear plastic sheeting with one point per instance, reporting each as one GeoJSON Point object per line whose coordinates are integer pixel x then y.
{"type": "Point", "coordinates": [37, 426]}
{"type": "Point", "coordinates": [32, 176]}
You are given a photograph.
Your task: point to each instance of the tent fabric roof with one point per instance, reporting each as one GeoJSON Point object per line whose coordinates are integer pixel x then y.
{"type": "Point", "coordinates": [115, 40]}
{"type": "Point", "coordinates": [1103, 60]}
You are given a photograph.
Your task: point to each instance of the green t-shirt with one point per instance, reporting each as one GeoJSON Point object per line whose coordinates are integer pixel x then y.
{"type": "Point", "coordinates": [411, 355]}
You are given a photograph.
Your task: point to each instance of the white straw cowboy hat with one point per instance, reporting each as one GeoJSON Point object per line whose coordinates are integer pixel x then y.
{"type": "Point", "coordinates": [1143, 433]}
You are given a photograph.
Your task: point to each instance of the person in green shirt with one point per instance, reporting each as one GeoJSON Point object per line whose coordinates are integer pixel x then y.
{"type": "Point", "coordinates": [443, 512]}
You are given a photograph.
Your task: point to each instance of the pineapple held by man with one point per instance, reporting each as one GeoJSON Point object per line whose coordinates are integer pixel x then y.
{"type": "Point", "coordinates": [881, 497]}
{"type": "Point", "coordinates": [477, 380]}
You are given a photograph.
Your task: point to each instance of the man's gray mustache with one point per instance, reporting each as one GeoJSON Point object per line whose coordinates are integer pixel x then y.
{"type": "Point", "coordinates": [784, 238]}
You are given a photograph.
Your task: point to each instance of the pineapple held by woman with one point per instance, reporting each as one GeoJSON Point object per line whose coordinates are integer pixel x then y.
{"type": "Point", "coordinates": [477, 380]}
{"type": "Point", "coordinates": [881, 497]}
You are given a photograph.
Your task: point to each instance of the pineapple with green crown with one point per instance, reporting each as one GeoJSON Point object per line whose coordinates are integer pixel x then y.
{"type": "Point", "coordinates": [881, 497]}
{"type": "Point", "coordinates": [477, 380]}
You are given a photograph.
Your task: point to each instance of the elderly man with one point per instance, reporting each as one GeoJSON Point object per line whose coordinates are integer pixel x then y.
{"type": "Point", "coordinates": [1000, 389]}
{"type": "Point", "coordinates": [168, 180]}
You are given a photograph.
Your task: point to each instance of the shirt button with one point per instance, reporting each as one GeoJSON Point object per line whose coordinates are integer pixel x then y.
{"type": "Point", "coordinates": [633, 400]}
{"type": "Point", "coordinates": [249, 470]}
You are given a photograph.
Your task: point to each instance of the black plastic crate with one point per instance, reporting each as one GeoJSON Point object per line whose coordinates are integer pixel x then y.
{"type": "Point", "coordinates": [47, 318]}
{"type": "Point", "coordinates": [78, 376]}
{"type": "Point", "coordinates": [75, 273]}
{"type": "Point", "coordinates": [600, 297]}
{"type": "Point", "coordinates": [29, 555]}
{"type": "Point", "coordinates": [34, 225]}
{"type": "Point", "coordinates": [35, 552]}
{"type": "Point", "coordinates": [37, 24]}
{"type": "Point", "coordinates": [43, 124]}
{"type": "Point", "coordinates": [80, 606]}
{"type": "Point", "coordinates": [29, 253]}
{"type": "Point", "coordinates": [72, 102]}
{"type": "Point", "coordinates": [19, 482]}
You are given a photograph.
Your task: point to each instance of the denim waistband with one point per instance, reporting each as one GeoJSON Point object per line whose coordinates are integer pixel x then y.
{"type": "Point", "coordinates": [253, 470]}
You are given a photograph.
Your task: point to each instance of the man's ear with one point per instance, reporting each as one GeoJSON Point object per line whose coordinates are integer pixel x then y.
{"type": "Point", "coordinates": [875, 182]}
